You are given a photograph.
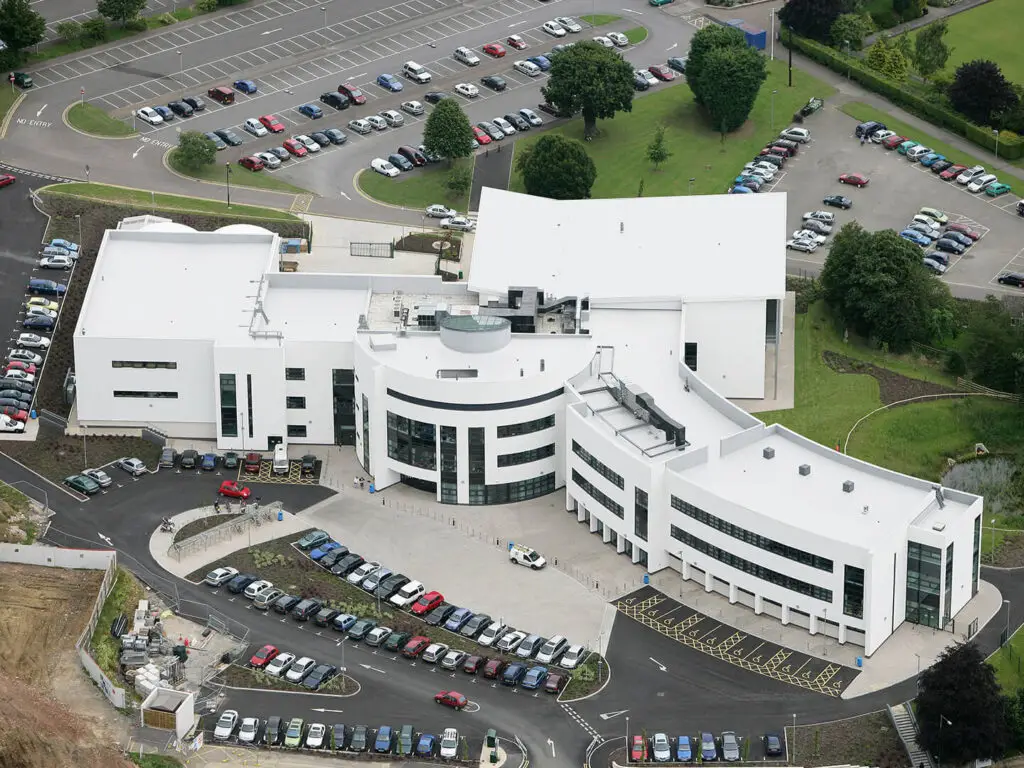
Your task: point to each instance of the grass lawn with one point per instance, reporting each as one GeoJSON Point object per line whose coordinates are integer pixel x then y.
{"type": "Point", "coordinates": [1008, 661]}
{"type": "Point", "coordinates": [155, 761]}
{"type": "Point", "coordinates": [415, 189]}
{"type": "Point", "coordinates": [90, 119]}
{"type": "Point", "coordinates": [636, 35]}
{"type": "Point", "coordinates": [7, 98]}
{"type": "Point", "coordinates": [698, 152]}
{"type": "Point", "coordinates": [989, 31]}
{"type": "Point", "coordinates": [239, 176]}
{"type": "Point", "coordinates": [599, 19]}
{"type": "Point", "coordinates": [161, 202]}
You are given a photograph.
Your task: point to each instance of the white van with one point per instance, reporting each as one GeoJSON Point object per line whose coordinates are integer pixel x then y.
{"type": "Point", "coordinates": [281, 459]}
{"type": "Point", "coordinates": [527, 556]}
{"type": "Point", "coordinates": [415, 72]}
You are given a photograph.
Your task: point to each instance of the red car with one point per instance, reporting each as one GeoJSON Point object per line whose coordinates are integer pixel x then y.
{"type": "Point", "coordinates": [857, 179]}
{"type": "Point", "coordinates": [295, 147]}
{"type": "Point", "coordinates": [427, 603]}
{"type": "Point", "coordinates": [6, 179]}
{"type": "Point", "coordinates": [415, 646]}
{"type": "Point", "coordinates": [638, 748]}
{"type": "Point", "coordinates": [452, 699]}
{"type": "Point", "coordinates": [493, 668]}
{"type": "Point", "coordinates": [264, 656]}
{"type": "Point", "coordinates": [354, 94]}
{"type": "Point", "coordinates": [963, 229]}
{"type": "Point", "coordinates": [662, 72]}
{"type": "Point", "coordinates": [497, 50]}
{"type": "Point", "coordinates": [234, 490]}
{"type": "Point", "coordinates": [252, 162]}
{"type": "Point", "coordinates": [472, 664]}
{"type": "Point", "coordinates": [480, 136]}
{"type": "Point", "coordinates": [516, 42]}
{"type": "Point", "coordinates": [952, 172]}
{"type": "Point", "coordinates": [272, 124]}
{"type": "Point", "coordinates": [893, 141]}
{"type": "Point", "coordinates": [555, 683]}
{"type": "Point", "coordinates": [14, 413]}
{"type": "Point", "coordinates": [19, 365]}
{"type": "Point", "coordinates": [252, 462]}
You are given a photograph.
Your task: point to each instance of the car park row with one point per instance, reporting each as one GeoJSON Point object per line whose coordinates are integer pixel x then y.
{"type": "Point", "coordinates": [705, 748]}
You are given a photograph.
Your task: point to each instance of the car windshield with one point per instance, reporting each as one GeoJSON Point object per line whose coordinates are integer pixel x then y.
{"type": "Point", "coordinates": [293, 729]}
{"type": "Point", "coordinates": [448, 742]}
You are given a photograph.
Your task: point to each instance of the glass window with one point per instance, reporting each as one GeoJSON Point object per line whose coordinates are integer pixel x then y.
{"type": "Point", "coordinates": [602, 469]}
{"type": "Point", "coordinates": [296, 430]}
{"type": "Point", "coordinates": [295, 374]}
{"type": "Point", "coordinates": [690, 355]}
{"type": "Point", "coordinates": [142, 364]}
{"type": "Point", "coordinates": [947, 600]}
{"type": "Point", "coordinates": [366, 434]}
{"type": "Point", "coordinates": [924, 582]}
{"type": "Point", "coordinates": [449, 465]}
{"type": "Point", "coordinates": [505, 493]}
{"type": "Point", "coordinates": [295, 403]}
{"type": "Point", "coordinates": [608, 503]}
{"type": "Point", "coordinates": [853, 592]}
{"type": "Point", "coordinates": [640, 514]}
{"type": "Point", "coordinates": [139, 393]}
{"type": "Point", "coordinates": [248, 391]}
{"type": "Point", "coordinates": [525, 457]}
{"type": "Point", "coordinates": [411, 442]}
{"type": "Point", "coordinates": [228, 406]}
{"type": "Point", "coordinates": [976, 564]}
{"type": "Point", "coordinates": [526, 427]}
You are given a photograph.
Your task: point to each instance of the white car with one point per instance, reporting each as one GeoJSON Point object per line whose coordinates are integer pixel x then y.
{"type": "Point", "coordinates": [103, 480]}
{"type": "Point", "coordinates": [879, 136]}
{"type": "Point", "coordinates": [660, 748]}
{"type": "Point", "coordinates": [248, 729]}
{"type": "Point", "coordinates": [280, 664]}
{"type": "Point", "coordinates": [7, 424]}
{"type": "Point", "coordinates": [528, 68]}
{"type": "Point", "coordinates": [826, 216]}
{"type": "Point", "coordinates": [492, 634]}
{"type": "Point", "coordinates": [299, 669]}
{"type": "Point", "coordinates": [923, 218]}
{"type": "Point", "coordinates": [434, 653]}
{"type": "Point", "coordinates": [569, 23]}
{"type": "Point", "coordinates": [28, 378]}
{"type": "Point", "coordinates": [460, 223]}
{"type": "Point", "coordinates": [439, 211]}
{"type": "Point", "coordinates": [981, 182]}
{"type": "Point", "coordinates": [466, 56]}
{"type": "Point", "coordinates": [225, 725]}
{"type": "Point", "coordinates": [40, 312]}
{"type": "Point", "coordinates": [360, 126]}
{"type": "Point", "coordinates": [573, 657]}
{"type": "Point", "coordinates": [377, 635]}
{"type": "Point", "coordinates": [132, 466]}
{"type": "Point", "coordinates": [270, 160]}
{"type": "Point", "coordinates": [360, 573]}
{"type": "Point", "coordinates": [531, 117]}
{"type": "Point", "coordinates": [553, 28]}
{"type": "Point", "coordinates": [257, 129]}
{"type": "Point", "coordinates": [33, 341]}
{"type": "Point", "coordinates": [449, 743]}
{"type": "Point", "coordinates": [56, 262]}
{"type": "Point", "coordinates": [506, 127]}
{"type": "Point", "coordinates": [801, 245]}
{"type": "Point", "coordinates": [620, 40]}
{"type": "Point", "coordinates": [308, 143]}
{"type": "Point", "coordinates": [651, 79]}
{"type": "Point", "coordinates": [220, 576]}
{"type": "Point", "coordinates": [413, 107]}
{"type": "Point", "coordinates": [383, 167]}
{"type": "Point", "coordinates": [25, 356]}
{"type": "Point", "coordinates": [806, 234]}
{"type": "Point", "coordinates": [149, 115]}
{"type": "Point", "coordinates": [511, 641]}
{"type": "Point", "coordinates": [315, 737]}
{"type": "Point", "coordinates": [468, 90]}
{"type": "Point", "coordinates": [604, 42]}
{"type": "Point", "coordinates": [257, 588]}
{"type": "Point", "coordinates": [404, 597]}
{"type": "Point", "coordinates": [800, 135]}
{"type": "Point", "coordinates": [970, 174]}
{"type": "Point", "coordinates": [761, 173]}
{"type": "Point", "coordinates": [377, 122]}
{"type": "Point", "coordinates": [393, 118]}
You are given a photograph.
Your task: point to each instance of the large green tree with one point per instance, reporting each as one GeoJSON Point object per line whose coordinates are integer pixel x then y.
{"type": "Point", "coordinates": [590, 79]}
{"type": "Point", "coordinates": [993, 346]}
{"type": "Point", "coordinates": [930, 50]}
{"type": "Point", "coordinates": [447, 132]}
{"type": "Point", "coordinates": [851, 29]}
{"type": "Point", "coordinates": [705, 40]}
{"type": "Point", "coordinates": [960, 713]}
{"type": "Point", "coordinates": [814, 18]}
{"type": "Point", "coordinates": [876, 284]}
{"type": "Point", "coordinates": [20, 26]}
{"type": "Point", "coordinates": [731, 80]}
{"type": "Point", "coordinates": [886, 57]}
{"type": "Point", "coordinates": [908, 10]}
{"type": "Point", "coordinates": [556, 167]}
{"type": "Point", "coordinates": [195, 150]}
{"type": "Point", "coordinates": [980, 91]}
{"type": "Point", "coordinates": [120, 10]}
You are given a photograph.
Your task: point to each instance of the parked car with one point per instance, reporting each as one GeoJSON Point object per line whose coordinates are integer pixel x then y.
{"type": "Point", "coordinates": [838, 201]}
{"type": "Point", "coordinates": [82, 484]}
{"type": "Point", "coordinates": [730, 747]}
{"type": "Point", "coordinates": [132, 466]}
{"type": "Point", "coordinates": [661, 750]}
{"type": "Point", "coordinates": [452, 699]}
{"type": "Point", "coordinates": [226, 723]}
{"type": "Point", "coordinates": [102, 479]}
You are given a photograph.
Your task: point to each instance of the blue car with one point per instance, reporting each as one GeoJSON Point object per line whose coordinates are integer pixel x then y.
{"type": "Point", "coordinates": [513, 674]}
{"type": "Point", "coordinates": [383, 742]}
{"type": "Point", "coordinates": [312, 111]}
{"type": "Point", "coordinates": [390, 82]}
{"type": "Point", "coordinates": [541, 61]}
{"type": "Point", "coordinates": [931, 159]}
{"type": "Point", "coordinates": [208, 462]}
{"type": "Point", "coordinates": [59, 243]}
{"type": "Point", "coordinates": [165, 113]}
{"type": "Point", "coordinates": [425, 746]}
{"type": "Point", "coordinates": [245, 86]}
{"type": "Point", "coordinates": [915, 237]}
{"type": "Point", "coordinates": [458, 619]}
{"type": "Point", "coordinates": [323, 549]}
{"type": "Point", "coordinates": [741, 191]}
{"type": "Point", "coordinates": [708, 750]}
{"type": "Point", "coordinates": [535, 678]}
{"type": "Point", "coordinates": [343, 622]}
{"type": "Point", "coordinates": [684, 752]}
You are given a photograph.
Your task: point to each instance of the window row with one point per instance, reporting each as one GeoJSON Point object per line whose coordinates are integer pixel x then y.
{"type": "Point", "coordinates": [526, 427]}
{"type": "Point", "coordinates": [602, 469]}
{"type": "Point", "coordinates": [506, 493]}
{"type": "Point", "coordinates": [610, 504]}
{"type": "Point", "coordinates": [749, 537]}
{"type": "Point", "coordinates": [143, 364]}
{"type": "Point", "coordinates": [296, 430]}
{"type": "Point", "coordinates": [295, 403]}
{"type": "Point", "coordinates": [411, 442]}
{"type": "Point", "coordinates": [525, 457]}
{"type": "Point", "coordinates": [136, 393]}
{"type": "Point", "coordinates": [758, 571]}
{"type": "Point", "coordinates": [294, 374]}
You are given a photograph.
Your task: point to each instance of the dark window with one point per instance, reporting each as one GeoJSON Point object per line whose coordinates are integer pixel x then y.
{"type": "Point", "coordinates": [142, 364]}
{"type": "Point", "coordinates": [411, 442]}
{"type": "Point", "coordinates": [690, 355]}
{"type": "Point", "coordinates": [759, 571]}
{"type": "Point", "coordinates": [366, 434]}
{"type": "Point", "coordinates": [606, 502]}
{"type": "Point", "coordinates": [294, 374]}
{"type": "Point", "coordinates": [228, 406]}
{"type": "Point", "coordinates": [296, 430]}
{"type": "Point", "coordinates": [640, 514]}
{"type": "Point", "coordinates": [924, 582]}
{"type": "Point", "coordinates": [295, 402]}
{"type": "Point", "coordinates": [947, 600]}
{"type": "Point", "coordinates": [248, 392]}
{"type": "Point", "coordinates": [976, 565]}
{"type": "Point", "coordinates": [477, 466]}
{"type": "Point", "coordinates": [526, 427]}
{"type": "Point", "coordinates": [602, 469]}
{"type": "Point", "coordinates": [755, 540]}
{"type": "Point", "coordinates": [136, 393]}
{"type": "Point", "coordinates": [853, 592]}
{"type": "Point", "coordinates": [521, 490]}
{"type": "Point", "coordinates": [449, 465]}
{"type": "Point", "coordinates": [525, 457]}
{"type": "Point", "coordinates": [344, 390]}
{"type": "Point", "coordinates": [477, 406]}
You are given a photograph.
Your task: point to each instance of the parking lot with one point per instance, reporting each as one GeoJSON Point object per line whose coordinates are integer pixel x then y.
{"type": "Point", "coordinates": [897, 190]}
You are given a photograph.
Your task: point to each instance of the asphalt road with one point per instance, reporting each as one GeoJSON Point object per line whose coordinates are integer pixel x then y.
{"type": "Point", "coordinates": [21, 232]}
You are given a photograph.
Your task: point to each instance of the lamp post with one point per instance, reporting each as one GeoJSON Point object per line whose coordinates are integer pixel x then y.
{"type": "Point", "coordinates": [227, 180]}
{"type": "Point", "coordinates": [918, 663]}
{"type": "Point", "coordinates": [627, 734]}
{"type": "Point", "coordinates": [938, 748]}
{"type": "Point", "coordinates": [792, 751]}
{"type": "Point", "coordinates": [773, 108]}
{"type": "Point", "coordinates": [771, 17]}
{"type": "Point", "coordinates": [689, 189]}
{"type": "Point", "coordinates": [181, 71]}
{"type": "Point", "coordinates": [78, 216]}
{"type": "Point", "coordinates": [324, 9]}
{"type": "Point", "coordinates": [995, 132]}
{"type": "Point", "coordinates": [849, 53]}
{"type": "Point", "coordinates": [1007, 603]}
{"type": "Point", "coordinates": [992, 522]}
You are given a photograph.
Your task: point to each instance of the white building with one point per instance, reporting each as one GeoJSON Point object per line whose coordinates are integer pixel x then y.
{"type": "Point", "coordinates": [593, 347]}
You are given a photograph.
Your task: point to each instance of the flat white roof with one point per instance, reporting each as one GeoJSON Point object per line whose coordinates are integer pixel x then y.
{"type": "Point", "coordinates": [311, 307]}
{"type": "Point", "coordinates": [700, 247]}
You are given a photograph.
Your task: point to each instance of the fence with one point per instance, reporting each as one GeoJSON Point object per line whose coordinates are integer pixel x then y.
{"type": "Point", "coordinates": [254, 516]}
{"type": "Point", "coordinates": [969, 386]}
{"type": "Point", "coordinates": [373, 250]}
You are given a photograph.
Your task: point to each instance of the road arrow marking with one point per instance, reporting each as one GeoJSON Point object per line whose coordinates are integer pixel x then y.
{"type": "Point", "coordinates": [610, 715]}
{"type": "Point", "coordinates": [340, 192]}
{"type": "Point", "coordinates": [552, 745]}
{"type": "Point", "coordinates": [271, 31]}
{"type": "Point", "coordinates": [108, 541]}
{"type": "Point", "coordinates": [629, 10]}
{"type": "Point", "coordinates": [373, 669]}
{"type": "Point", "coordinates": [658, 664]}
{"type": "Point", "coordinates": [41, 110]}
{"type": "Point", "coordinates": [321, 709]}
{"type": "Point", "coordinates": [136, 152]}
{"type": "Point", "coordinates": [674, 45]}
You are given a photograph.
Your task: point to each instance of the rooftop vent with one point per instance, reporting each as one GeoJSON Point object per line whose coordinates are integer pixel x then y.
{"type": "Point", "coordinates": [847, 486]}
{"type": "Point", "coordinates": [938, 496]}
{"type": "Point", "coordinates": [768, 453]}
{"type": "Point", "coordinates": [940, 527]}
{"type": "Point", "coordinates": [805, 469]}
{"type": "Point", "coordinates": [542, 364]}
{"type": "Point", "coordinates": [866, 510]}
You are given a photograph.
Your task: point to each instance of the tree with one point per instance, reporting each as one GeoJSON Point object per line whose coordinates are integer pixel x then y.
{"type": "Point", "coordinates": [95, 28]}
{"type": "Point", "coordinates": [459, 180]}
{"type": "Point", "coordinates": [591, 79]}
{"type": "Point", "coordinates": [447, 132]}
{"type": "Point", "coordinates": [194, 151]}
{"type": "Point", "coordinates": [979, 91]}
{"type": "Point", "coordinates": [885, 57]}
{"type": "Point", "coordinates": [814, 18]}
{"type": "Point", "coordinates": [657, 152]}
{"type": "Point", "coordinates": [875, 283]}
{"type": "Point", "coordinates": [120, 10]}
{"type": "Point", "coordinates": [851, 28]}
{"type": "Point", "coordinates": [960, 712]}
{"type": "Point", "coordinates": [908, 10]}
{"type": "Point", "coordinates": [992, 343]}
{"type": "Point", "coordinates": [1012, 118]}
{"type": "Point", "coordinates": [20, 26]}
{"type": "Point", "coordinates": [558, 168]}
{"type": "Point", "coordinates": [71, 31]}
{"type": "Point", "coordinates": [731, 80]}
{"type": "Point", "coordinates": [930, 50]}
{"type": "Point", "coordinates": [705, 40]}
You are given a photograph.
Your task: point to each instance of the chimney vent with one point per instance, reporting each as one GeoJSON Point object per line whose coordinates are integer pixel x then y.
{"type": "Point", "coordinates": [622, 227]}
{"type": "Point", "coordinates": [805, 469]}
{"type": "Point", "coordinates": [847, 486]}
{"type": "Point", "coordinates": [866, 510]}
{"type": "Point", "coordinates": [542, 365]}
{"type": "Point", "coordinates": [768, 452]}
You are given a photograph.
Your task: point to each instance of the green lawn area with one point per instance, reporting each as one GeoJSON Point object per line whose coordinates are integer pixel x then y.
{"type": "Point", "coordinates": [7, 98]}
{"type": "Point", "coordinates": [416, 189]}
{"type": "Point", "coordinates": [636, 35]}
{"type": "Point", "coordinates": [239, 176]}
{"type": "Point", "coordinates": [1008, 661]}
{"type": "Point", "coordinates": [989, 31]}
{"type": "Point", "coordinates": [155, 761]}
{"type": "Point", "coordinates": [599, 19]}
{"type": "Point", "coordinates": [697, 151]}
{"type": "Point", "coordinates": [93, 120]}
{"type": "Point", "coordinates": [161, 202]}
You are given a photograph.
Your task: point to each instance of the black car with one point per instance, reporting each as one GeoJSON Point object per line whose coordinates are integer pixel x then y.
{"type": "Point", "coordinates": [306, 609]}
{"type": "Point", "coordinates": [494, 82]}
{"type": "Point", "coordinates": [336, 100]}
{"type": "Point", "coordinates": [1015, 279]}
{"type": "Point", "coordinates": [433, 97]}
{"type": "Point", "coordinates": [950, 246]}
{"type": "Point", "coordinates": [168, 457]}
{"type": "Point", "coordinates": [325, 616]}
{"type": "Point", "coordinates": [838, 201]}
{"type": "Point", "coordinates": [308, 465]}
{"type": "Point", "coordinates": [440, 615]}
{"type": "Point", "coordinates": [396, 641]}
{"type": "Point", "coordinates": [13, 402]}
{"type": "Point", "coordinates": [777, 160]}
{"type": "Point", "coordinates": [940, 165]}
{"type": "Point", "coordinates": [390, 585]}
{"type": "Point", "coordinates": [338, 736]}
{"type": "Point", "coordinates": [16, 395]}
{"type": "Point", "coordinates": [275, 729]}
{"type": "Point", "coordinates": [17, 384]}
{"type": "Point", "coordinates": [320, 138]}
{"type": "Point", "coordinates": [189, 459]}
{"type": "Point", "coordinates": [358, 742]}
{"type": "Point", "coordinates": [640, 82]}
{"type": "Point", "coordinates": [218, 142]}
{"type": "Point", "coordinates": [491, 130]}
{"type": "Point", "coordinates": [197, 104]}
{"type": "Point", "coordinates": [959, 237]}
{"type": "Point", "coordinates": [518, 121]}
{"type": "Point", "coordinates": [320, 675]}
{"type": "Point", "coordinates": [361, 629]}
{"type": "Point", "coordinates": [285, 603]}
{"type": "Point", "coordinates": [347, 564]}
{"type": "Point", "coordinates": [400, 162]}
{"type": "Point", "coordinates": [229, 137]}
{"type": "Point", "coordinates": [331, 559]}
{"type": "Point", "coordinates": [181, 109]}
{"type": "Point", "coordinates": [336, 136]}
{"type": "Point", "coordinates": [240, 582]}
{"type": "Point", "coordinates": [38, 323]}
{"type": "Point", "coordinates": [772, 745]}
{"type": "Point", "coordinates": [230, 460]}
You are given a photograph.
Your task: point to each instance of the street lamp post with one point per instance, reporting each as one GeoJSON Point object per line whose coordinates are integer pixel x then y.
{"type": "Point", "coordinates": [992, 522]}
{"type": "Point", "coordinates": [78, 216]}
{"type": "Point", "coordinates": [181, 71]}
{"type": "Point", "coordinates": [689, 190]}
{"type": "Point", "coordinates": [995, 132]}
{"type": "Point", "coordinates": [773, 109]}
{"type": "Point", "coordinates": [46, 497]}
{"type": "Point", "coordinates": [849, 53]}
{"type": "Point", "coordinates": [1007, 602]}
{"type": "Point", "coordinates": [627, 734]}
{"type": "Point", "coordinates": [792, 750]}
{"type": "Point", "coordinates": [324, 9]}
{"type": "Point", "coordinates": [938, 747]}
{"type": "Point", "coordinates": [227, 180]}
{"type": "Point", "coordinates": [771, 17]}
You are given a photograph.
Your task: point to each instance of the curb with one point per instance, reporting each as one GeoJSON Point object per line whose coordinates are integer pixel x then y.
{"type": "Point", "coordinates": [64, 119]}
{"type": "Point", "coordinates": [167, 167]}
{"type": "Point", "coordinates": [592, 694]}
{"type": "Point", "coordinates": [10, 114]}
{"type": "Point", "coordinates": [46, 480]}
{"type": "Point", "coordinates": [374, 200]}
{"type": "Point", "coordinates": [358, 689]}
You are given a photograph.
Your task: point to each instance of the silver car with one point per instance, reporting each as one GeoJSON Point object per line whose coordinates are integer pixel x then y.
{"type": "Point", "coordinates": [660, 748]}
{"type": "Point", "coordinates": [360, 126]}
{"type": "Point", "coordinates": [393, 118]}
{"type": "Point", "coordinates": [730, 747]}
{"type": "Point", "coordinates": [270, 160]}
{"type": "Point", "coordinates": [413, 107]}
{"type": "Point", "coordinates": [378, 122]}
{"type": "Point", "coordinates": [569, 23]}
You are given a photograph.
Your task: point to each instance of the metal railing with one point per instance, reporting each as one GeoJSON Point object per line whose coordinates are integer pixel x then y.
{"type": "Point", "coordinates": [254, 516]}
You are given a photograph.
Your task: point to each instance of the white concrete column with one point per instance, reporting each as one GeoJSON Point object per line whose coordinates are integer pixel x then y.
{"type": "Point", "coordinates": [686, 571]}
{"type": "Point", "coordinates": [709, 581]}
{"type": "Point", "coordinates": [636, 554]}
{"type": "Point", "coordinates": [842, 634]}
{"type": "Point", "coordinates": [784, 614]}
{"type": "Point", "coordinates": [593, 524]}
{"type": "Point", "coordinates": [758, 605]}
{"type": "Point", "coordinates": [570, 504]}
{"type": "Point", "coordinates": [812, 625]}
{"type": "Point", "coordinates": [620, 544]}
{"type": "Point", "coordinates": [607, 534]}
{"type": "Point", "coordinates": [733, 594]}
{"type": "Point", "coordinates": [581, 513]}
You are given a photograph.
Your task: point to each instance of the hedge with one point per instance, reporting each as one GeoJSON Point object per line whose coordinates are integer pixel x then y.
{"type": "Point", "coordinates": [1011, 146]}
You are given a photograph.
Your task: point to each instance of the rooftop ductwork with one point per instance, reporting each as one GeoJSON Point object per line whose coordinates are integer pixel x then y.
{"type": "Point", "coordinates": [805, 469]}
{"type": "Point", "coordinates": [848, 486]}
{"type": "Point", "coordinates": [768, 453]}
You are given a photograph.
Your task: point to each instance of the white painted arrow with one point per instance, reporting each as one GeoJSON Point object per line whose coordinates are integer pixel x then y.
{"type": "Point", "coordinates": [344, 195]}
{"type": "Point", "coordinates": [109, 542]}
{"type": "Point", "coordinates": [271, 31]}
{"type": "Point", "coordinates": [674, 45]}
{"type": "Point", "coordinates": [630, 10]}
{"type": "Point", "coordinates": [658, 664]}
{"type": "Point", "coordinates": [610, 715]}
{"type": "Point", "coordinates": [321, 709]}
{"type": "Point", "coordinates": [41, 110]}
{"type": "Point", "coordinates": [552, 745]}
{"type": "Point", "coordinates": [374, 669]}
{"type": "Point", "coordinates": [136, 152]}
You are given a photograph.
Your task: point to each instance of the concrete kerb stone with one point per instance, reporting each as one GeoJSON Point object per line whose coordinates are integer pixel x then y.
{"type": "Point", "coordinates": [374, 200]}
{"type": "Point", "coordinates": [10, 114]}
{"type": "Point", "coordinates": [301, 693]}
{"type": "Point", "coordinates": [167, 167]}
